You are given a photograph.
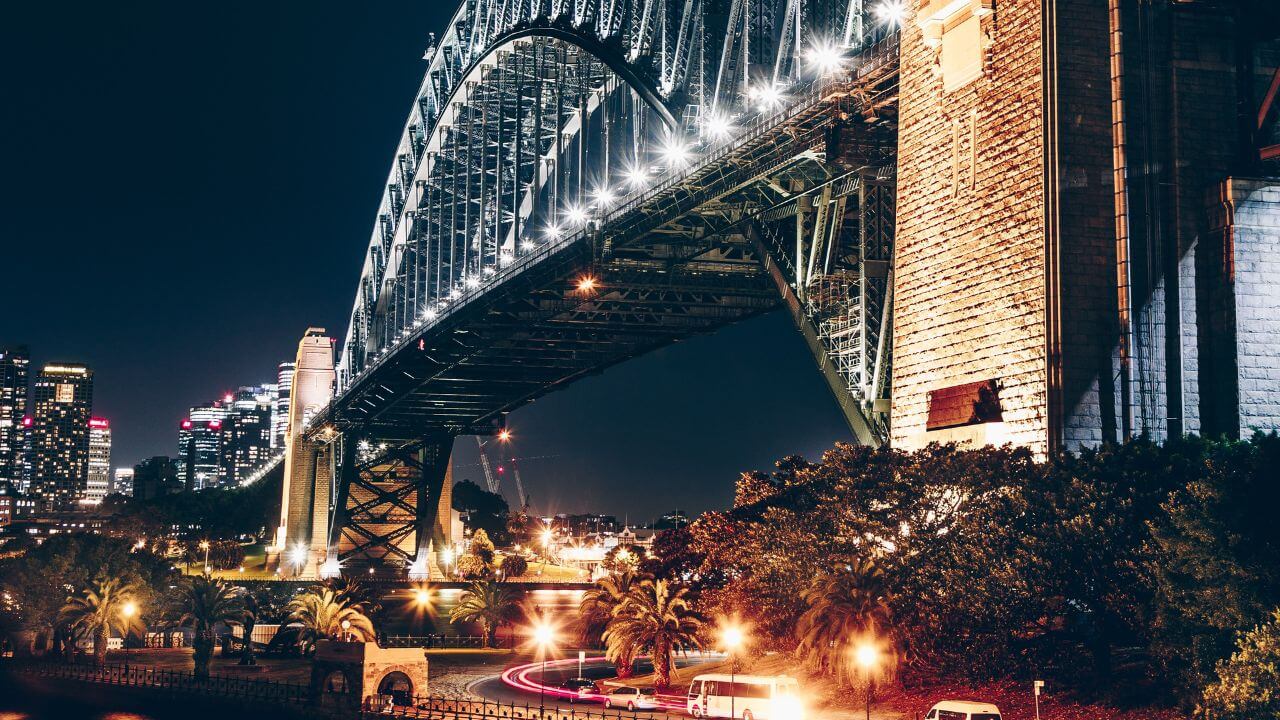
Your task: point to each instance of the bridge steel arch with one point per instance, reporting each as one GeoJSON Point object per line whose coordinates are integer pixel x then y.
{"type": "Point", "coordinates": [479, 293]}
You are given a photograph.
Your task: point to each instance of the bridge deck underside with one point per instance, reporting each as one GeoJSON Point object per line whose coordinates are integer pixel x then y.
{"type": "Point", "coordinates": [541, 332]}
{"type": "Point", "coordinates": [676, 262]}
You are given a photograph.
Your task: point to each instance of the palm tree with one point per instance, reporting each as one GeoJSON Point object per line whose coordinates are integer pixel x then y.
{"type": "Point", "coordinates": [486, 602]}
{"type": "Point", "coordinates": [596, 608]}
{"type": "Point", "coordinates": [98, 610]}
{"type": "Point", "coordinates": [200, 602]}
{"type": "Point", "coordinates": [654, 616]}
{"type": "Point", "coordinates": [323, 612]}
{"type": "Point", "coordinates": [847, 605]}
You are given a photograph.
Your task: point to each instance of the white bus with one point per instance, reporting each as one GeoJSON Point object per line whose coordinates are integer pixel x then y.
{"type": "Point", "coordinates": [749, 697]}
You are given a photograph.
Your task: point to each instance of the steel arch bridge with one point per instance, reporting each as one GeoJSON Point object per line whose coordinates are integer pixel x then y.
{"type": "Point", "coordinates": [582, 181]}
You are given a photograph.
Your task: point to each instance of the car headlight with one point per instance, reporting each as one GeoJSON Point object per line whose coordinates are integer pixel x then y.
{"type": "Point", "coordinates": [787, 707]}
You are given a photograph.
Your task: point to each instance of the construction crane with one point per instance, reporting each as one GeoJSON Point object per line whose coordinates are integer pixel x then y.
{"type": "Point", "coordinates": [490, 479]}
{"type": "Point", "coordinates": [494, 480]}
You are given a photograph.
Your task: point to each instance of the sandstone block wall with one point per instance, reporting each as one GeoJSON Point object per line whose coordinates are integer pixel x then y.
{"type": "Point", "coordinates": [969, 278]}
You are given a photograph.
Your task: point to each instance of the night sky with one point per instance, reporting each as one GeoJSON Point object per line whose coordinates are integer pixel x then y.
{"type": "Point", "coordinates": [186, 187]}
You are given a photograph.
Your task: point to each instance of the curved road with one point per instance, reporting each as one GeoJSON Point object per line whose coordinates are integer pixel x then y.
{"type": "Point", "coordinates": [524, 684]}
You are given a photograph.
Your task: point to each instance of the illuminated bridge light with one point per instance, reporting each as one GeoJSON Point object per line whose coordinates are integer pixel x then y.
{"type": "Point", "coordinates": [576, 215]}
{"type": "Point", "coordinates": [890, 12]}
{"type": "Point", "coordinates": [825, 58]}
{"type": "Point", "coordinates": [637, 176]}
{"type": "Point", "coordinates": [675, 152]}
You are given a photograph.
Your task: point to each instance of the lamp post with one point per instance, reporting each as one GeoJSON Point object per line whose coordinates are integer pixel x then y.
{"type": "Point", "coordinates": [543, 636]}
{"type": "Point", "coordinates": [346, 631]}
{"type": "Point", "coordinates": [204, 545]}
{"type": "Point", "coordinates": [867, 657]}
{"type": "Point", "coordinates": [732, 639]}
{"type": "Point", "coordinates": [128, 612]}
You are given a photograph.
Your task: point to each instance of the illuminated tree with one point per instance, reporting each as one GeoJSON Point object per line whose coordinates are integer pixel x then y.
{"type": "Point", "coordinates": [655, 617]}
{"type": "Point", "coordinates": [487, 603]}
{"type": "Point", "coordinates": [200, 602]}
{"type": "Point", "coordinates": [1248, 684]}
{"type": "Point", "coordinates": [596, 610]}
{"type": "Point", "coordinates": [323, 613]}
{"type": "Point", "coordinates": [99, 609]}
{"type": "Point", "coordinates": [846, 605]}
{"type": "Point", "coordinates": [514, 566]}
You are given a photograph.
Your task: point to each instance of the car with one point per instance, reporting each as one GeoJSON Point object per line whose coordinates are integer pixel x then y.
{"type": "Point", "coordinates": [632, 698]}
{"type": "Point", "coordinates": [290, 641]}
{"type": "Point", "coordinates": [578, 688]}
{"type": "Point", "coordinates": [963, 710]}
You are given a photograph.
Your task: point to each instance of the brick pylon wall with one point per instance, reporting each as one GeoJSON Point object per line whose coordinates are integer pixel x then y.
{"type": "Point", "coordinates": [969, 274]}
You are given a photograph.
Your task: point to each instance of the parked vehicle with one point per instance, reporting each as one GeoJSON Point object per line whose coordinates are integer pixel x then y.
{"type": "Point", "coordinates": [579, 689]}
{"type": "Point", "coordinates": [290, 641]}
{"type": "Point", "coordinates": [632, 698]}
{"type": "Point", "coordinates": [749, 697]}
{"type": "Point", "coordinates": [963, 710]}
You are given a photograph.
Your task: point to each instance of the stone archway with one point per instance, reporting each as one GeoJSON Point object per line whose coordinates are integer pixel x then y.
{"type": "Point", "coordinates": [398, 686]}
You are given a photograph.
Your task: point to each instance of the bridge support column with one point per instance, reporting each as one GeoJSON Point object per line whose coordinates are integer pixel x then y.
{"type": "Point", "coordinates": [305, 492]}
{"type": "Point", "coordinates": [435, 502]}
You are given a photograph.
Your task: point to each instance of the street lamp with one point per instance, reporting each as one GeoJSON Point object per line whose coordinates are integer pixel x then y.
{"type": "Point", "coordinates": [867, 657]}
{"type": "Point", "coordinates": [543, 637]}
{"type": "Point", "coordinates": [346, 630]}
{"type": "Point", "coordinates": [732, 639]}
{"type": "Point", "coordinates": [128, 612]}
{"type": "Point", "coordinates": [204, 545]}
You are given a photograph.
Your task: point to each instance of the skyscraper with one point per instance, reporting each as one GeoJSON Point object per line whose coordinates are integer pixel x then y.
{"type": "Point", "coordinates": [247, 433]}
{"type": "Point", "coordinates": [99, 478]}
{"type": "Point", "coordinates": [200, 446]}
{"type": "Point", "coordinates": [122, 483]}
{"type": "Point", "coordinates": [14, 378]}
{"type": "Point", "coordinates": [280, 419]}
{"type": "Point", "coordinates": [60, 434]}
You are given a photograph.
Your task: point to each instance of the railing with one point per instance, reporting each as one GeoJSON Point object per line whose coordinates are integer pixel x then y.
{"type": "Point", "coordinates": [434, 707]}
{"type": "Point", "coordinates": [438, 708]}
{"type": "Point", "coordinates": [149, 677]}
{"type": "Point", "coordinates": [439, 642]}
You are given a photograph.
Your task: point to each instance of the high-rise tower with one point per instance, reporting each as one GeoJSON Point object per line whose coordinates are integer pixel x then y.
{"type": "Point", "coordinates": [98, 482]}
{"type": "Point", "coordinates": [14, 379]}
{"type": "Point", "coordinates": [60, 434]}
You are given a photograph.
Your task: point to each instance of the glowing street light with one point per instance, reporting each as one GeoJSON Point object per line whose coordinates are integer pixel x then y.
{"type": "Point", "coordinates": [422, 597]}
{"type": "Point", "coordinates": [128, 612]}
{"type": "Point", "coordinates": [447, 556]}
{"type": "Point", "coordinates": [346, 630]}
{"type": "Point", "coordinates": [472, 282]}
{"type": "Point", "coordinates": [586, 284]}
{"type": "Point", "coordinates": [204, 545]}
{"type": "Point", "coordinates": [298, 555]}
{"type": "Point", "coordinates": [868, 657]}
{"type": "Point", "coordinates": [504, 434]}
{"type": "Point", "coordinates": [553, 232]}
{"type": "Point", "coordinates": [544, 637]}
{"type": "Point", "coordinates": [732, 638]}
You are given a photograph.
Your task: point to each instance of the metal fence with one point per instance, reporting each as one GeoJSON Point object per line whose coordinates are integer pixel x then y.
{"type": "Point", "coordinates": [441, 642]}
{"type": "Point", "coordinates": [254, 690]}
{"type": "Point", "coordinates": [440, 708]}
{"type": "Point", "coordinates": [185, 682]}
